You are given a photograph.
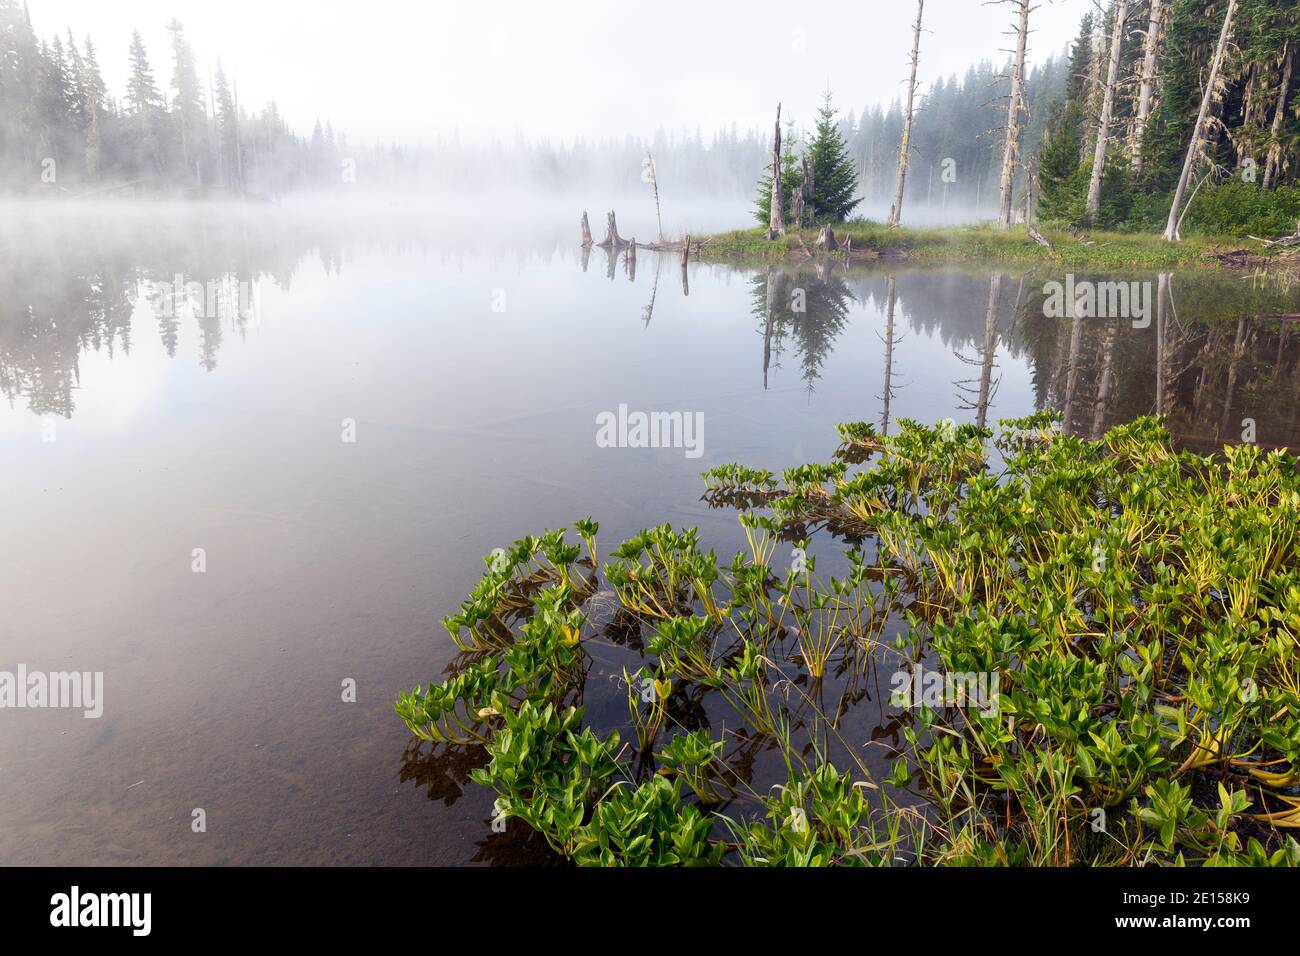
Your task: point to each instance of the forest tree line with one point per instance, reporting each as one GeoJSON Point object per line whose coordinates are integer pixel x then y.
{"type": "Point", "coordinates": [1141, 66]}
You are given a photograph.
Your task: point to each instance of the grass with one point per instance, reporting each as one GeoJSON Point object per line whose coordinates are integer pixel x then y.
{"type": "Point", "coordinates": [979, 243]}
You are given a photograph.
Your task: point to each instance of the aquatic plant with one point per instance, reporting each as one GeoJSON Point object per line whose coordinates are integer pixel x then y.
{"type": "Point", "coordinates": [1114, 626]}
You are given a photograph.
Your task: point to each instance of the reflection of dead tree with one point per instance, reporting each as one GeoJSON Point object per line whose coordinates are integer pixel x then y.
{"type": "Point", "coordinates": [769, 313]}
{"type": "Point", "coordinates": [987, 385]}
{"type": "Point", "coordinates": [629, 260]}
{"type": "Point", "coordinates": [1072, 370]}
{"type": "Point", "coordinates": [1234, 366]}
{"type": "Point", "coordinates": [1105, 388]}
{"type": "Point", "coordinates": [649, 311]}
{"type": "Point", "coordinates": [1162, 356]}
{"type": "Point", "coordinates": [686, 256]}
{"type": "Point", "coordinates": [889, 340]}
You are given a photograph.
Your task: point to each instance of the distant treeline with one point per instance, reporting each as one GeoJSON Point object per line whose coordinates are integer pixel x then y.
{"type": "Point", "coordinates": [63, 132]}
{"type": "Point", "coordinates": [61, 129]}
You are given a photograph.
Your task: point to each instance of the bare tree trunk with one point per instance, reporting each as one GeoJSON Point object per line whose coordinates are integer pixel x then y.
{"type": "Point", "coordinates": [1120, 9]}
{"type": "Point", "coordinates": [1092, 102]}
{"type": "Point", "coordinates": [776, 217]}
{"type": "Point", "coordinates": [1279, 114]}
{"type": "Point", "coordinates": [1194, 147]}
{"type": "Point", "coordinates": [905, 147]}
{"type": "Point", "coordinates": [1010, 149]}
{"type": "Point", "coordinates": [586, 231]}
{"type": "Point", "coordinates": [1150, 45]}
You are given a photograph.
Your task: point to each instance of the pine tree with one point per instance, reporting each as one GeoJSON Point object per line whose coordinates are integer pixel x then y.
{"type": "Point", "coordinates": [188, 114]}
{"type": "Point", "coordinates": [145, 104]}
{"type": "Point", "coordinates": [835, 182]}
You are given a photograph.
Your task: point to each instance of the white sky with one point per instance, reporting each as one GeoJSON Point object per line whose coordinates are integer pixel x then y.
{"type": "Point", "coordinates": [407, 70]}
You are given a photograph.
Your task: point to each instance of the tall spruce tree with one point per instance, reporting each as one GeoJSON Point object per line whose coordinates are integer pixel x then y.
{"type": "Point", "coordinates": [146, 107]}
{"type": "Point", "coordinates": [835, 178]}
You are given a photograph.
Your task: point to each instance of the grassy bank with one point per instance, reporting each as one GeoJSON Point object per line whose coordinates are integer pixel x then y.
{"type": "Point", "coordinates": [871, 241]}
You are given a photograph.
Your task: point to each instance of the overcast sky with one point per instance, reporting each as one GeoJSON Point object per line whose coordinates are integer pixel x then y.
{"type": "Point", "coordinates": [408, 70]}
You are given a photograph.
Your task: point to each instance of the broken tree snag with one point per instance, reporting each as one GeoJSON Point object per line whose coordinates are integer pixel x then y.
{"type": "Point", "coordinates": [686, 251]}
{"type": "Point", "coordinates": [629, 258]}
{"type": "Point", "coordinates": [826, 240]}
{"type": "Point", "coordinates": [1011, 144]}
{"type": "Point", "coordinates": [1119, 12]}
{"type": "Point", "coordinates": [776, 218]}
{"type": "Point", "coordinates": [905, 144]}
{"type": "Point", "coordinates": [586, 231]}
{"type": "Point", "coordinates": [1150, 46]}
{"type": "Point", "coordinates": [1038, 237]}
{"type": "Point", "coordinates": [612, 239]}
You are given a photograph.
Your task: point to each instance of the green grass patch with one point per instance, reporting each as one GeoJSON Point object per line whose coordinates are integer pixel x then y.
{"type": "Point", "coordinates": [1100, 250]}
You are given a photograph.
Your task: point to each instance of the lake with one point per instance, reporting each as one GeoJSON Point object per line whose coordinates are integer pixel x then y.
{"type": "Point", "coordinates": [252, 457]}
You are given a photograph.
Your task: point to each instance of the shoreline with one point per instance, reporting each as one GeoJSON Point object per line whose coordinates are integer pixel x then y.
{"type": "Point", "coordinates": [872, 242]}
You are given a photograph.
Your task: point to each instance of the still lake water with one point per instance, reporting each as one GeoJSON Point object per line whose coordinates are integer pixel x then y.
{"type": "Point", "coordinates": [138, 427]}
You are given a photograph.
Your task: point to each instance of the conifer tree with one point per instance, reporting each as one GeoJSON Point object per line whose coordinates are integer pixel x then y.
{"type": "Point", "coordinates": [835, 181]}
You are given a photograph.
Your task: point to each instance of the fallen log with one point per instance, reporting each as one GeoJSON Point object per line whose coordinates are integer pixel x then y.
{"type": "Point", "coordinates": [1038, 237]}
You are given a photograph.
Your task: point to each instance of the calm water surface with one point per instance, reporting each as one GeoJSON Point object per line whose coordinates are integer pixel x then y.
{"type": "Point", "coordinates": [137, 427]}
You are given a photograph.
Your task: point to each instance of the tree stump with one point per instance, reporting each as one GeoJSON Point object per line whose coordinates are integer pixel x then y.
{"type": "Point", "coordinates": [586, 231]}
{"type": "Point", "coordinates": [826, 240]}
{"type": "Point", "coordinates": [612, 239]}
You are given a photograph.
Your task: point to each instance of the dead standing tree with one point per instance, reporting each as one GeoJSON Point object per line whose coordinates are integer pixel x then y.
{"type": "Point", "coordinates": [1015, 105]}
{"type": "Point", "coordinates": [1194, 147]}
{"type": "Point", "coordinates": [1279, 115]}
{"type": "Point", "coordinates": [776, 217]}
{"type": "Point", "coordinates": [1120, 15]}
{"type": "Point", "coordinates": [905, 146]}
{"type": "Point", "coordinates": [1146, 90]}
